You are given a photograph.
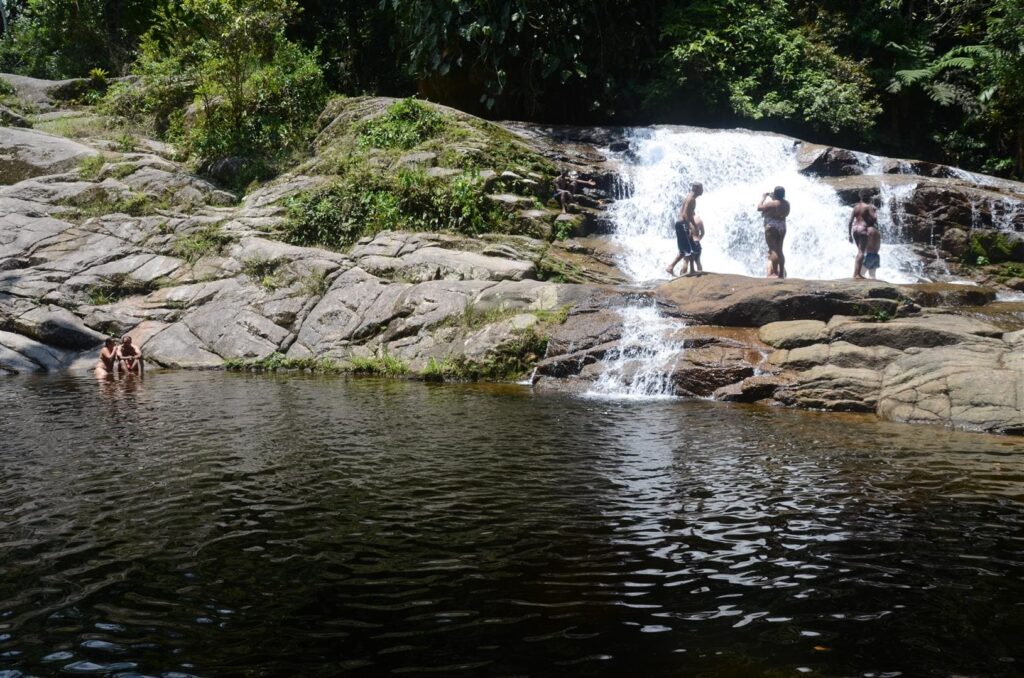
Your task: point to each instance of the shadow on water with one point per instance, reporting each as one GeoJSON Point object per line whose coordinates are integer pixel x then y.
{"type": "Point", "coordinates": [226, 524]}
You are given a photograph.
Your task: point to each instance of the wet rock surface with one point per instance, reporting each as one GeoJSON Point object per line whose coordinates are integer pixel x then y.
{"type": "Point", "coordinates": [95, 242]}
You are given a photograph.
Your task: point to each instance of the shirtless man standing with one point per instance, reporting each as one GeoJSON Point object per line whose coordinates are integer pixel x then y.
{"type": "Point", "coordinates": [863, 230]}
{"type": "Point", "coordinates": [775, 208]}
{"type": "Point", "coordinates": [108, 357]}
{"type": "Point", "coordinates": [683, 225]}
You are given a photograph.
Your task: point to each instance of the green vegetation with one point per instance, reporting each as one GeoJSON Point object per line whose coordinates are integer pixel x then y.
{"type": "Point", "coordinates": [264, 272]}
{"type": "Point", "coordinates": [101, 204]}
{"type": "Point", "coordinates": [363, 202]}
{"type": "Point", "coordinates": [383, 365]}
{"type": "Point", "coordinates": [90, 167]}
{"type": "Point", "coordinates": [474, 317]}
{"type": "Point", "coordinates": [118, 286]}
{"type": "Point", "coordinates": [988, 246]}
{"type": "Point", "coordinates": [208, 241]}
{"type": "Point", "coordinates": [278, 361]}
{"type": "Point", "coordinates": [406, 124]}
{"type": "Point", "coordinates": [251, 93]}
{"type": "Point", "coordinates": [948, 75]}
{"type": "Point", "coordinates": [316, 284]}
{"type": "Point", "coordinates": [511, 361]}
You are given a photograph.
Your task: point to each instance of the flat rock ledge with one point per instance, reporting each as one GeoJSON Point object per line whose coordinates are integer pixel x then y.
{"type": "Point", "coordinates": [848, 346]}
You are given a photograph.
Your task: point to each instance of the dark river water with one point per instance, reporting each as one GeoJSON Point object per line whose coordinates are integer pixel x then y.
{"type": "Point", "coordinates": [210, 524]}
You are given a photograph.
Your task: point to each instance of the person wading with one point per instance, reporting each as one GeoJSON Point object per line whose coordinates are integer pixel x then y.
{"type": "Point", "coordinates": [775, 209]}
{"type": "Point", "coordinates": [864, 233]}
{"type": "Point", "coordinates": [683, 225]}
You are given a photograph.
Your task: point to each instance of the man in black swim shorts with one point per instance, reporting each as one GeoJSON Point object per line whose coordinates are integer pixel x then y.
{"type": "Point", "coordinates": [684, 240]}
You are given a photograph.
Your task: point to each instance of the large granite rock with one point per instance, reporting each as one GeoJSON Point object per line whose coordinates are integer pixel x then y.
{"type": "Point", "coordinates": [974, 387]}
{"type": "Point", "coordinates": [26, 153]}
{"type": "Point", "coordinates": [735, 300]}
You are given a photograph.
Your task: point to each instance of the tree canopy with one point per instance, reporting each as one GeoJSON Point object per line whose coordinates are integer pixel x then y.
{"type": "Point", "coordinates": [940, 79]}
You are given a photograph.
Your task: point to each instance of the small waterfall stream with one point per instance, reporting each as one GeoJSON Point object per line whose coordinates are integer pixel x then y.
{"type": "Point", "coordinates": [736, 168]}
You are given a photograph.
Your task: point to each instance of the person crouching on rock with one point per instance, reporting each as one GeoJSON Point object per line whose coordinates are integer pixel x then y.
{"type": "Point", "coordinates": [129, 358]}
{"type": "Point", "coordinates": [863, 231]}
{"type": "Point", "coordinates": [775, 209]}
{"type": "Point", "coordinates": [683, 228]}
{"type": "Point", "coordinates": [108, 358]}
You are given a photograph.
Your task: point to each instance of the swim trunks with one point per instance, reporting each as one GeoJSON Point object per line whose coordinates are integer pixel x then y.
{"type": "Point", "coordinates": [695, 247]}
{"type": "Point", "coordinates": [872, 260]}
{"type": "Point", "coordinates": [683, 239]}
{"type": "Point", "coordinates": [777, 223]}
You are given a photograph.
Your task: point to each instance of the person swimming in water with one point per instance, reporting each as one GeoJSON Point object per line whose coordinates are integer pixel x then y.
{"type": "Point", "coordinates": [775, 208]}
{"type": "Point", "coordinates": [108, 358]}
{"type": "Point", "coordinates": [863, 230]}
{"type": "Point", "coordinates": [129, 358]}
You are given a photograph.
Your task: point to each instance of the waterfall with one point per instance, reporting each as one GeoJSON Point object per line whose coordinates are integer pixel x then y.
{"type": "Point", "coordinates": [736, 168]}
{"type": "Point", "coordinates": [643, 363]}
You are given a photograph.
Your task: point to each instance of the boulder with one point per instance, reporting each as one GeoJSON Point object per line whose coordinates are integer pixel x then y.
{"type": "Point", "coordinates": [9, 118]}
{"type": "Point", "coordinates": [827, 387]}
{"type": "Point", "coordinates": [996, 246]}
{"type": "Point", "coordinates": [792, 333]}
{"type": "Point", "coordinates": [904, 333]}
{"type": "Point", "coordinates": [176, 346]}
{"type": "Point", "coordinates": [56, 326]}
{"type": "Point", "coordinates": [753, 389]}
{"type": "Point", "coordinates": [828, 161]}
{"type": "Point", "coordinates": [839, 354]}
{"type": "Point", "coordinates": [26, 153]}
{"type": "Point", "coordinates": [969, 387]}
{"type": "Point", "coordinates": [735, 300]}
{"type": "Point", "coordinates": [946, 294]}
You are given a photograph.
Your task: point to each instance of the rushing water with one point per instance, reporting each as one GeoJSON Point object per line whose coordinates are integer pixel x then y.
{"type": "Point", "coordinates": [211, 524]}
{"type": "Point", "coordinates": [736, 168]}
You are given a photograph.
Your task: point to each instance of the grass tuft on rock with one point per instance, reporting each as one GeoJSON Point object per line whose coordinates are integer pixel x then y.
{"type": "Point", "coordinates": [383, 365]}
{"type": "Point", "coordinates": [119, 286]}
{"type": "Point", "coordinates": [91, 166]}
{"type": "Point", "coordinates": [208, 241]}
{"type": "Point", "coordinates": [264, 272]}
{"type": "Point", "coordinates": [278, 361]}
{"type": "Point", "coordinates": [101, 204]}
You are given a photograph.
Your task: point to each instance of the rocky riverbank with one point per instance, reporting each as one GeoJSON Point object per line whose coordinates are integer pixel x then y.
{"type": "Point", "coordinates": [103, 235]}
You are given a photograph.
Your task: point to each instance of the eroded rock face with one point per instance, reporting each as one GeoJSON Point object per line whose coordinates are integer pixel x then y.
{"type": "Point", "coordinates": [735, 300]}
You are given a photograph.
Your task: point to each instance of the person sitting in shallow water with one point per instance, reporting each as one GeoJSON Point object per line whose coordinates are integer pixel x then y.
{"type": "Point", "coordinates": [129, 358]}
{"type": "Point", "coordinates": [108, 358]}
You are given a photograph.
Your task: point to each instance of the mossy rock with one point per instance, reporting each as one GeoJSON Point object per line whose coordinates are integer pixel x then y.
{"type": "Point", "coordinates": [991, 246]}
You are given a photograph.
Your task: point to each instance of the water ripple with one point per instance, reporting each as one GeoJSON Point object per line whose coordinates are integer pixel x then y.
{"type": "Point", "coordinates": [211, 524]}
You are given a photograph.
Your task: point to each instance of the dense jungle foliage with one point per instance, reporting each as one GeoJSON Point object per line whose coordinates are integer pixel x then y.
{"type": "Point", "coordinates": [939, 79]}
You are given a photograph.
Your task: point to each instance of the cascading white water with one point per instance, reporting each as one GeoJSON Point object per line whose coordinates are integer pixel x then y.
{"type": "Point", "coordinates": [736, 168]}
{"type": "Point", "coordinates": [642, 364]}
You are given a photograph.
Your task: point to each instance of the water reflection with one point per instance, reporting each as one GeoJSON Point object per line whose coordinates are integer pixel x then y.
{"type": "Point", "coordinates": [212, 524]}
